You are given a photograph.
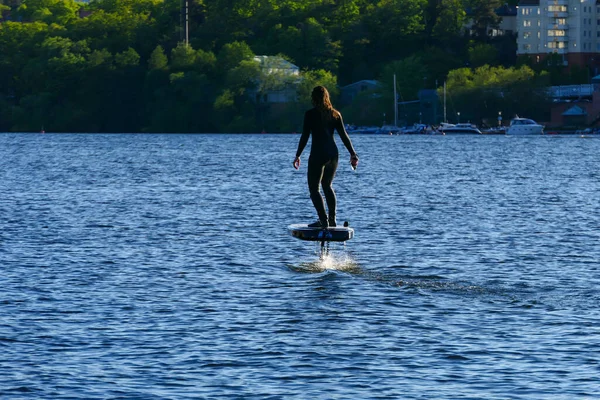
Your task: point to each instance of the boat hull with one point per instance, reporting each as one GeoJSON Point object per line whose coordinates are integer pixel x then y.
{"type": "Point", "coordinates": [528, 131]}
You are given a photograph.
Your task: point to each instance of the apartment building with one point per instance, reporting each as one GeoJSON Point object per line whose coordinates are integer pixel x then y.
{"type": "Point", "coordinates": [569, 28]}
{"type": "Point", "coordinates": [507, 26]}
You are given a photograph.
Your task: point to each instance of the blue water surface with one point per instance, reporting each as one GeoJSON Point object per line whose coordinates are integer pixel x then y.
{"type": "Point", "coordinates": [160, 267]}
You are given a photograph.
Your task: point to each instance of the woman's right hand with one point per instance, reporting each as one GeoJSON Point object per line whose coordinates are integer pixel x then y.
{"type": "Point", "coordinates": [354, 161]}
{"type": "Point", "coordinates": [297, 162]}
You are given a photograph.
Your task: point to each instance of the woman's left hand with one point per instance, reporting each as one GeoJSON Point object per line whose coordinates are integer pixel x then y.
{"type": "Point", "coordinates": [297, 162]}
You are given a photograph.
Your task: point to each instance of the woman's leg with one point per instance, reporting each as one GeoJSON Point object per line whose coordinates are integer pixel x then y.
{"type": "Point", "coordinates": [326, 182]}
{"type": "Point", "coordinates": [315, 175]}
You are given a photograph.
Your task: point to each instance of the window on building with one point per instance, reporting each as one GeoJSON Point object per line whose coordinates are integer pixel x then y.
{"type": "Point", "coordinates": [526, 47]}
{"type": "Point", "coordinates": [526, 35]}
{"type": "Point", "coordinates": [527, 23]}
{"type": "Point", "coordinates": [526, 11]}
{"type": "Point", "coordinates": [556, 32]}
{"type": "Point", "coordinates": [556, 45]}
{"type": "Point", "coordinates": [557, 8]}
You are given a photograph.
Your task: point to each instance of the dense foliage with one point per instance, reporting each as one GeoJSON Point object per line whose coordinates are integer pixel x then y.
{"type": "Point", "coordinates": [122, 65]}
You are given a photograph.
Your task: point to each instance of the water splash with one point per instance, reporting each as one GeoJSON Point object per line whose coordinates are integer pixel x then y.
{"type": "Point", "coordinates": [339, 262]}
{"type": "Point", "coordinates": [329, 261]}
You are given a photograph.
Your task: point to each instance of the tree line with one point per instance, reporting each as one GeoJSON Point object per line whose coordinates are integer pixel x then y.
{"type": "Point", "coordinates": [123, 65]}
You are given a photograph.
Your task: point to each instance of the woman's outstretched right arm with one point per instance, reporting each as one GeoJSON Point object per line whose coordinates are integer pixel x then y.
{"type": "Point", "coordinates": [303, 140]}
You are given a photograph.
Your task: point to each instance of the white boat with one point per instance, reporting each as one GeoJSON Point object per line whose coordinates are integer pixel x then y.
{"type": "Point", "coordinates": [524, 126]}
{"type": "Point", "coordinates": [416, 128]}
{"type": "Point", "coordinates": [459, 128]}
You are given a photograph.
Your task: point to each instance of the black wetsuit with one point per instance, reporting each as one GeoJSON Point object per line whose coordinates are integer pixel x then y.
{"type": "Point", "coordinates": [323, 159]}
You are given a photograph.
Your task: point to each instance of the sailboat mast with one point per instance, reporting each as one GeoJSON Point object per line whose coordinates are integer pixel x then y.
{"type": "Point", "coordinates": [184, 21]}
{"type": "Point", "coordinates": [395, 104]}
{"type": "Point", "coordinates": [445, 120]}
{"type": "Point", "coordinates": [187, 22]}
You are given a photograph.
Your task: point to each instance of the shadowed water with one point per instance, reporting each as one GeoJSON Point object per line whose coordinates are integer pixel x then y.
{"type": "Point", "coordinates": [160, 267]}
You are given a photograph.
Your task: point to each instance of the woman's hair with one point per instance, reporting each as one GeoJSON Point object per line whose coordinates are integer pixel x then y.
{"type": "Point", "coordinates": [321, 101]}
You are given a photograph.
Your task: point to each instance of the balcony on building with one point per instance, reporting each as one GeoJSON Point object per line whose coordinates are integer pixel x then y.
{"type": "Point", "coordinates": [558, 26]}
{"type": "Point", "coordinates": [558, 14]}
{"type": "Point", "coordinates": [563, 39]}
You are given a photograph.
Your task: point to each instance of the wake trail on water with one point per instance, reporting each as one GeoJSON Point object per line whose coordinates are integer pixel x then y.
{"type": "Point", "coordinates": [423, 284]}
{"type": "Point", "coordinates": [406, 279]}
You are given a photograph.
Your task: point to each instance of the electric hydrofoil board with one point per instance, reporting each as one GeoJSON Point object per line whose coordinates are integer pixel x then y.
{"type": "Point", "coordinates": [331, 234]}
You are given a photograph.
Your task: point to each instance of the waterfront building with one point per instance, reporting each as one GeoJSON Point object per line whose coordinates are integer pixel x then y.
{"type": "Point", "coordinates": [284, 78]}
{"type": "Point", "coordinates": [506, 27]}
{"type": "Point", "coordinates": [349, 92]}
{"type": "Point", "coordinates": [569, 29]}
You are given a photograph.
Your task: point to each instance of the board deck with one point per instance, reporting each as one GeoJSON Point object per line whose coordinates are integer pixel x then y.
{"type": "Point", "coordinates": [333, 234]}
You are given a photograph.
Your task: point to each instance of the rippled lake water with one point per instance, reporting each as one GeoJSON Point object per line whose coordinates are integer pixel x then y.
{"type": "Point", "coordinates": [160, 267]}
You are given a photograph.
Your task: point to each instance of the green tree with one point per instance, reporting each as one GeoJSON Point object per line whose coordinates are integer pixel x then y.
{"type": "Point", "coordinates": [232, 54]}
{"type": "Point", "coordinates": [481, 54]}
{"type": "Point", "coordinates": [183, 57]}
{"type": "Point", "coordinates": [479, 94]}
{"type": "Point", "coordinates": [158, 59]}
{"type": "Point", "coordinates": [313, 78]}
{"type": "Point", "coordinates": [445, 20]}
{"type": "Point", "coordinates": [393, 26]}
{"type": "Point", "coordinates": [3, 8]}
{"type": "Point", "coordinates": [100, 58]}
{"type": "Point", "coordinates": [50, 11]}
{"type": "Point", "coordinates": [206, 62]}
{"type": "Point", "coordinates": [127, 58]}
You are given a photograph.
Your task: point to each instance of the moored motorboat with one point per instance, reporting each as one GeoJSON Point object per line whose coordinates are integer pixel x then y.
{"type": "Point", "coordinates": [459, 128]}
{"type": "Point", "coordinates": [524, 126]}
{"type": "Point", "coordinates": [362, 129]}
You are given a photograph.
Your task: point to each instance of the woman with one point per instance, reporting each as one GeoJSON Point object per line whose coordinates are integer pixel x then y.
{"type": "Point", "coordinates": [322, 121]}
